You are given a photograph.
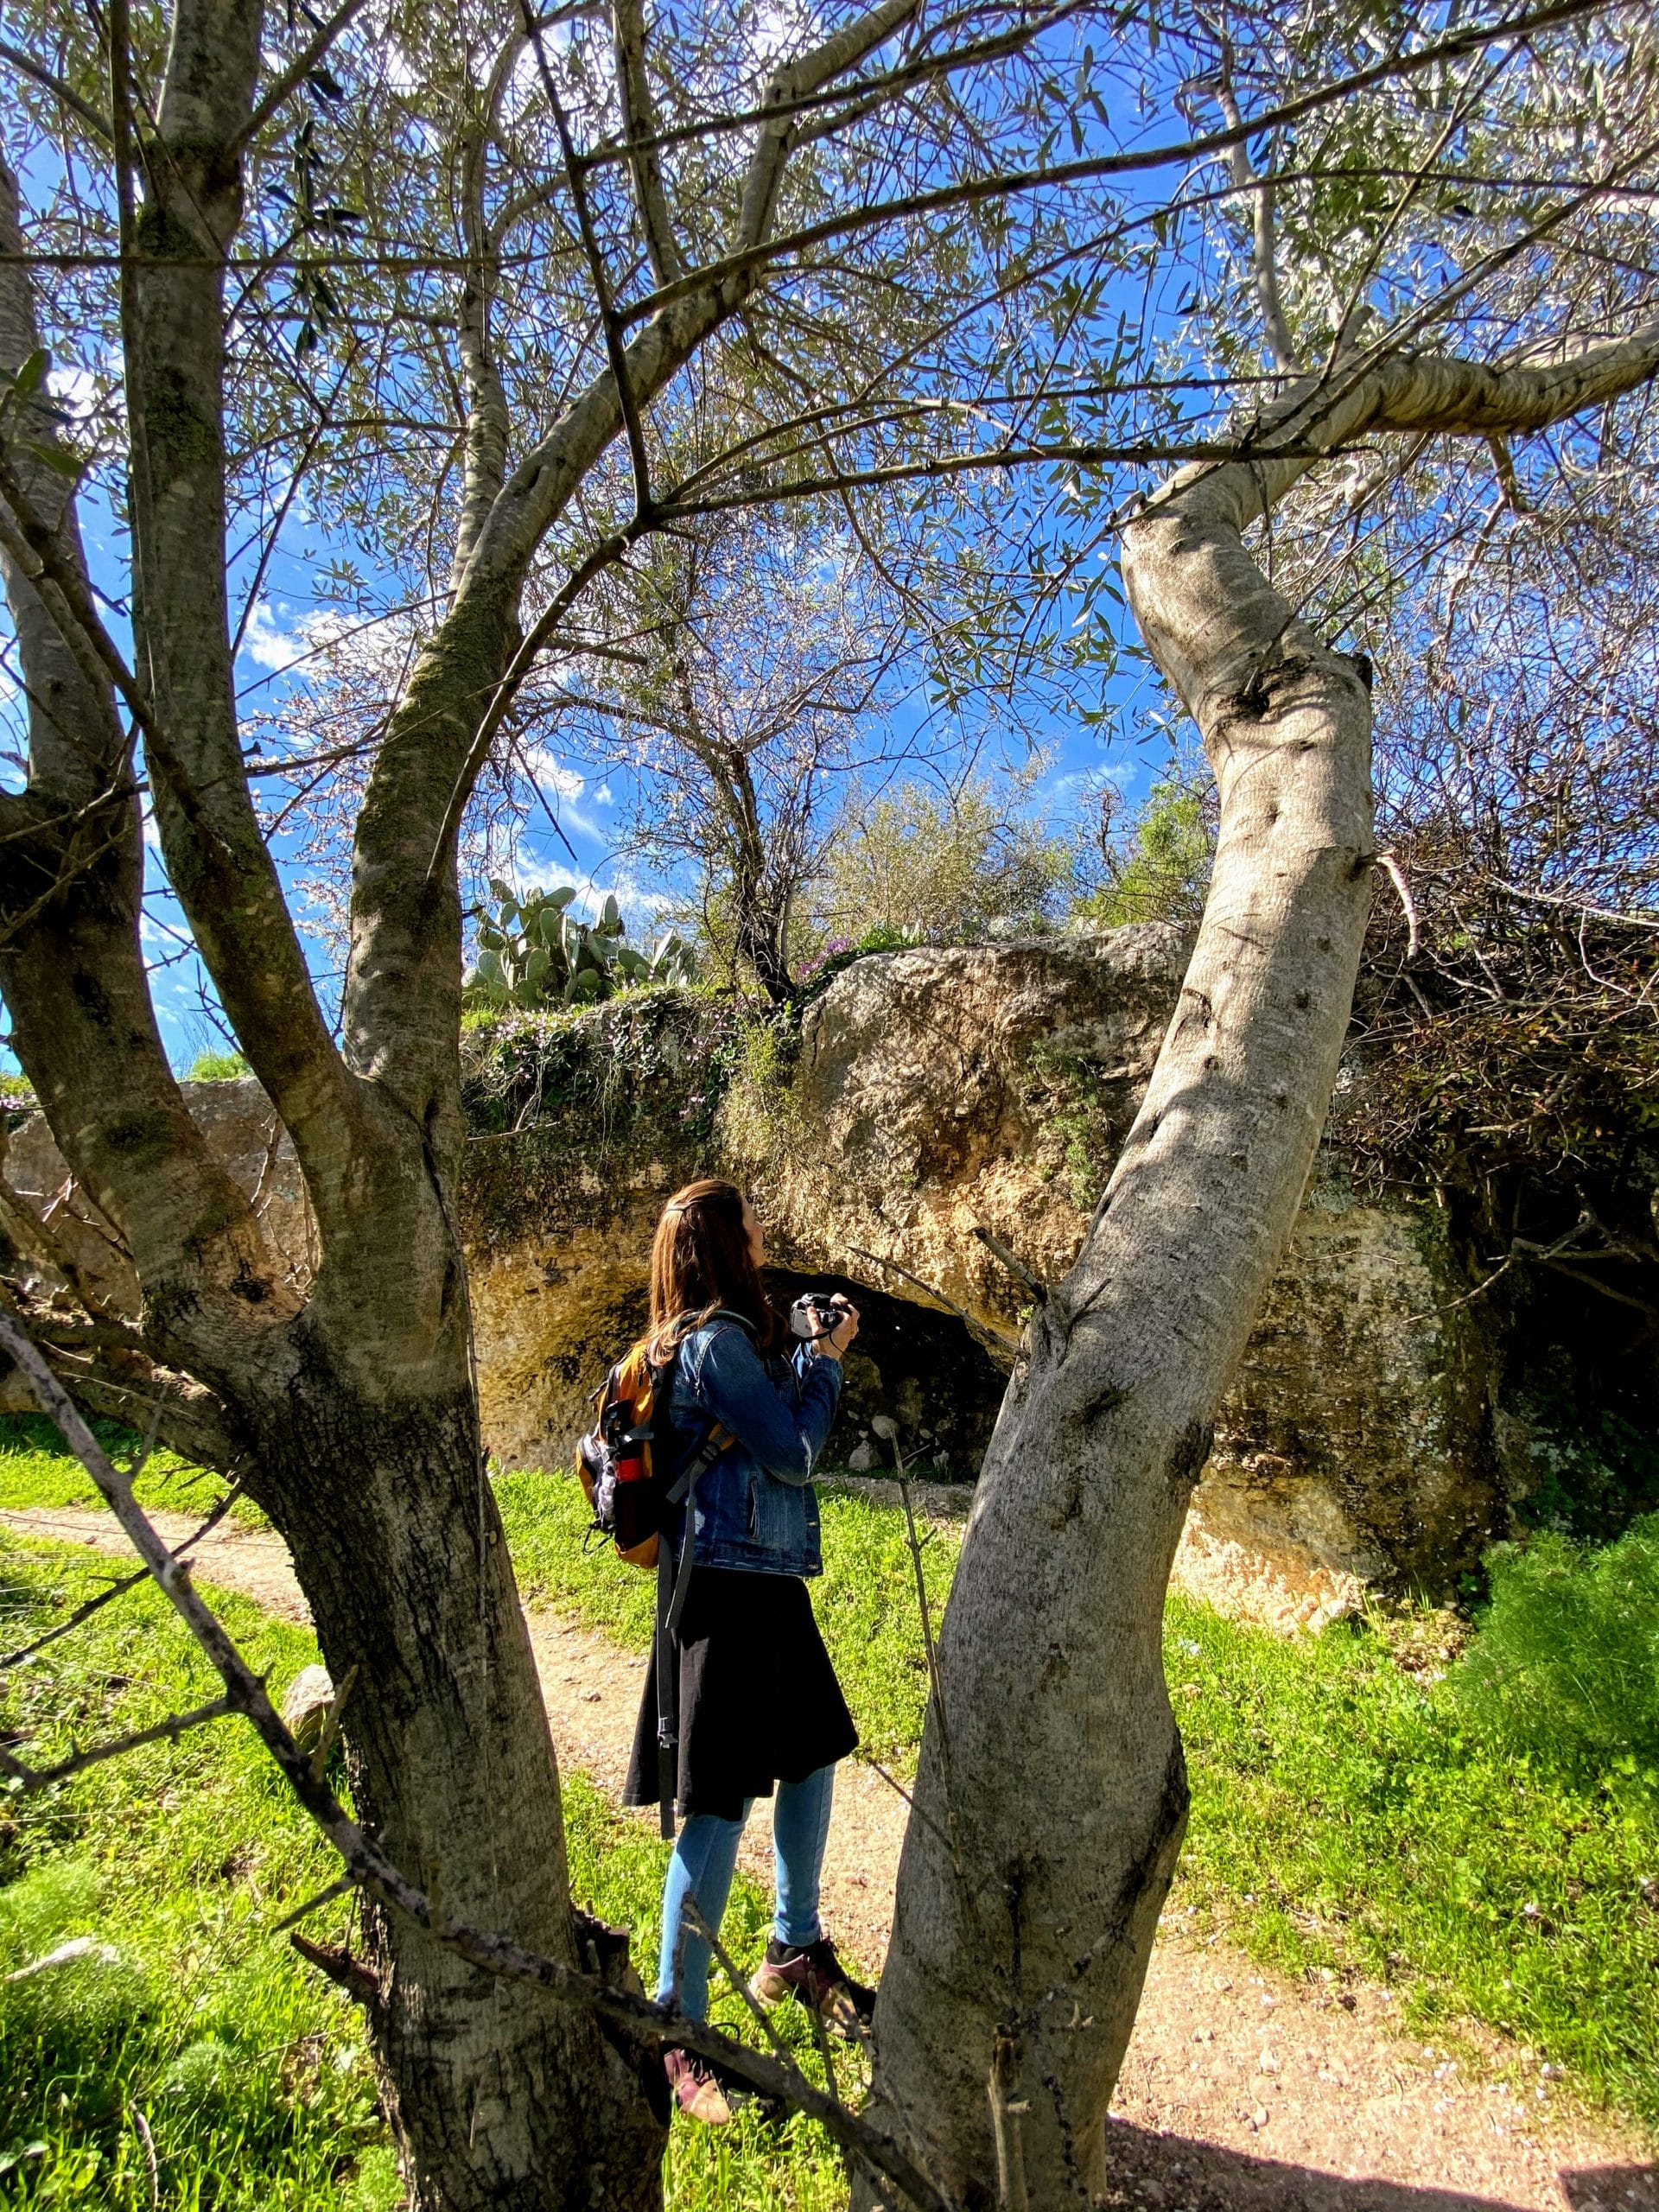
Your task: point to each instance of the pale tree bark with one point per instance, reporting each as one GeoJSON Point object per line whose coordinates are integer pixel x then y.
{"type": "Point", "coordinates": [1052, 1796]}
{"type": "Point", "coordinates": [349, 1413]}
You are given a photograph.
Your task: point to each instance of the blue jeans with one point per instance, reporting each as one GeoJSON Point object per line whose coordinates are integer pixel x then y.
{"type": "Point", "coordinates": [705, 1858]}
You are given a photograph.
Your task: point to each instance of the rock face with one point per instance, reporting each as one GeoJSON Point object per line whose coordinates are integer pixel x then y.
{"type": "Point", "coordinates": [242, 1131]}
{"type": "Point", "coordinates": [935, 1135]}
{"type": "Point", "coordinates": [942, 1094]}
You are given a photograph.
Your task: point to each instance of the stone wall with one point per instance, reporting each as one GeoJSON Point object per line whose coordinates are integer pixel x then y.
{"type": "Point", "coordinates": [928, 1097]}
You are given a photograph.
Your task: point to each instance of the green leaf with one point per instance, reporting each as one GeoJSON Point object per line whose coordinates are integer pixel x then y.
{"type": "Point", "coordinates": [31, 374]}
{"type": "Point", "coordinates": [57, 458]}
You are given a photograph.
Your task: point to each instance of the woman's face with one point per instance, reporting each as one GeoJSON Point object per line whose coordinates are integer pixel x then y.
{"type": "Point", "coordinates": [756, 1235]}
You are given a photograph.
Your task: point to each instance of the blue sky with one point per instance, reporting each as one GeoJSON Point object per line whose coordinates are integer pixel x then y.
{"type": "Point", "coordinates": [272, 663]}
{"type": "Point", "coordinates": [294, 593]}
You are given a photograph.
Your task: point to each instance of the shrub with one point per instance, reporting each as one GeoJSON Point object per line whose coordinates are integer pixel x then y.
{"type": "Point", "coordinates": [218, 1067]}
{"type": "Point", "coordinates": [941, 868]}
{"type": "Point", "coordinates": [1564, 1671]}
{"type": "Point", "coordinates": [1158, 866]}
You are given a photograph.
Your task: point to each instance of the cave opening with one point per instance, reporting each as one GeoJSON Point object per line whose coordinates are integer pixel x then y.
{"type": "Point", "coordinates": [926, 1370]}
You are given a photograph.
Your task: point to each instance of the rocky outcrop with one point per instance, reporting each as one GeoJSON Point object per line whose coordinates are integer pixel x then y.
{"type": "Point", "coordinates": [935, 1099]}
{"type": "Point", "coordinates": [243, 1133]}
{"type": "Point", "coordinates": [945, 1096]}
{"type": "Point", "coordinates": [931, 1137]}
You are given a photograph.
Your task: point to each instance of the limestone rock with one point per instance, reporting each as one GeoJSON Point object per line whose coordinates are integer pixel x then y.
{"type": "Point", "coordinates": [935, 1094]}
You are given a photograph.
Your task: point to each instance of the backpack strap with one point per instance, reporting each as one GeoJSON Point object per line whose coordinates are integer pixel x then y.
{"type": "Point", "coordinates": [673, 1580]}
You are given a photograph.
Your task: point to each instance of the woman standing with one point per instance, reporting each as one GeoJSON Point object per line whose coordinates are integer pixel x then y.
{"type": "Point", "coordinates": [760, 1711]}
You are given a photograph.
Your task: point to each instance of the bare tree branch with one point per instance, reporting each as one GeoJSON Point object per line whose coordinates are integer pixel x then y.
{"type": "Point", "coordinates": [297, 71]}
{"type": "Point", "coordinates": [628, 18]}
{"type": "Point", "coordinates": [163, 1732]}
{"type": "Point", "coordinates": [99, 125]}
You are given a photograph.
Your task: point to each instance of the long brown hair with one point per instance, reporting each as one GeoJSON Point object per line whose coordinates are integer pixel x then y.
{"type": "Point", "coordinates": [700, 1261]}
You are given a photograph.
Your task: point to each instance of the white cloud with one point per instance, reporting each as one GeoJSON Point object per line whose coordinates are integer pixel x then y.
{"type": "Point", "coordinates": [266, 643]}
{"type": "Point", "coordinates": [552, 774]}
{"type": "Point", "coordinates": [75, 390]}
{"type": "Point", "coordinates": [567, 789]}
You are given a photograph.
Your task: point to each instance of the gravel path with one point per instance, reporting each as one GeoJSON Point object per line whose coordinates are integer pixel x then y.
{"type": "Point", "coordinates": [1241, 2088]}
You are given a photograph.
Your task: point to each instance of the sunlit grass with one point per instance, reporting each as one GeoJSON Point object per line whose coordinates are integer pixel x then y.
{"type": "Point", "coordinates": [1348, 1813]}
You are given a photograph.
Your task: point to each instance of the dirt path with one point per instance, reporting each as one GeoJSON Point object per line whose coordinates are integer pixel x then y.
{"type": "Point", "coordinates": [1241, 2088]}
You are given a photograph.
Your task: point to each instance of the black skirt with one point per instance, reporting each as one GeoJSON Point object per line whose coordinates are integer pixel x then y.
{"type": "Point", "coordinates": [759, 1699]}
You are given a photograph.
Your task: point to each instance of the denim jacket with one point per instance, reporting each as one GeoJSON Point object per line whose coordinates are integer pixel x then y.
{"type": "Point", "coordinates": [756, 1506]}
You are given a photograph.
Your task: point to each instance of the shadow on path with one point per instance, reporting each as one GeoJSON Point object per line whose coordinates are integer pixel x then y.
{"type": "Point", "coordinates": [1149, 2172]}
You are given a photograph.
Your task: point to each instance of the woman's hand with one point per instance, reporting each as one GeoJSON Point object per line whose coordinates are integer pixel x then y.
{"type": "Point", "coordinates": [832, 1345]}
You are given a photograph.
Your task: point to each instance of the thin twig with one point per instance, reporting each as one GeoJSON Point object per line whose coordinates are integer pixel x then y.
{"type": "Point", "coordinates": [615, 351]}
{"type": "Point", "coordinates": [117, 1589]}
{"type": "Point", "coordinates": [314, 1904]}
{"type": "Point", "coordinates": [976, 1327]}
{"type": "Point", "coordinates": [693, 1914]}
{"type": "Point", "coordinates": [1519, 1251]}
{"type": "Point", "coordinates": [296, 73]}
{"type": "Point", "coordinates": [168, 1730]}
{"type": "Point", "coordinates": [1012, 2195]}
{"type": "Point", "coordinates": [1534, 897]}
{"type": "Point", "coordinates": [1396, 876]}
{"type": "Point", "coordinates": [893, 1782]}
{"type": "Point", "coordinates": [331, 1722]}
{"type": "Point", "coordinates": [1011, 1260]}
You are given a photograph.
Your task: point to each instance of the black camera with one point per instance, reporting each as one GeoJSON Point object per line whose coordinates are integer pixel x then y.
{"type": "Point", "coordinates": [814, 1316]}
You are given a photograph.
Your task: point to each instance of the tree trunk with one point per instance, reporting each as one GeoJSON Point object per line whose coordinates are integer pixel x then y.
{"type": "Point", "coordinates": [498, 2095]}
{"type": "Point", "coordinates": [1053, 1795]}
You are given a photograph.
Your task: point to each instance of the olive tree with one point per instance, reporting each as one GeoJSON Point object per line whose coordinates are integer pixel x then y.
{"type": "Point", "coordinates": [434, 274]}
{"type": "Point", "coordinates": [509, 294]}
{"type": "Point", "coordinates": [1489, 285]}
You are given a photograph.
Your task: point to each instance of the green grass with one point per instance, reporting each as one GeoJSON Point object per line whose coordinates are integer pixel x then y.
{"type": "Point", "coordinates": [1346, 1816]}
{"type": "Point", "coordinates": [36, 1471]}
{"type": "Point", "coordinates": [186, 2013]}
{"type": "Point", "coordinates": [249, 2074]}
{"type": "Point", "coordinates": [1350, 1813]}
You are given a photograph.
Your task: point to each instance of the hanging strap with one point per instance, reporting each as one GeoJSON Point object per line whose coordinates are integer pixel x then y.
{"type": "Point", "coordinates": [673, 1580]}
